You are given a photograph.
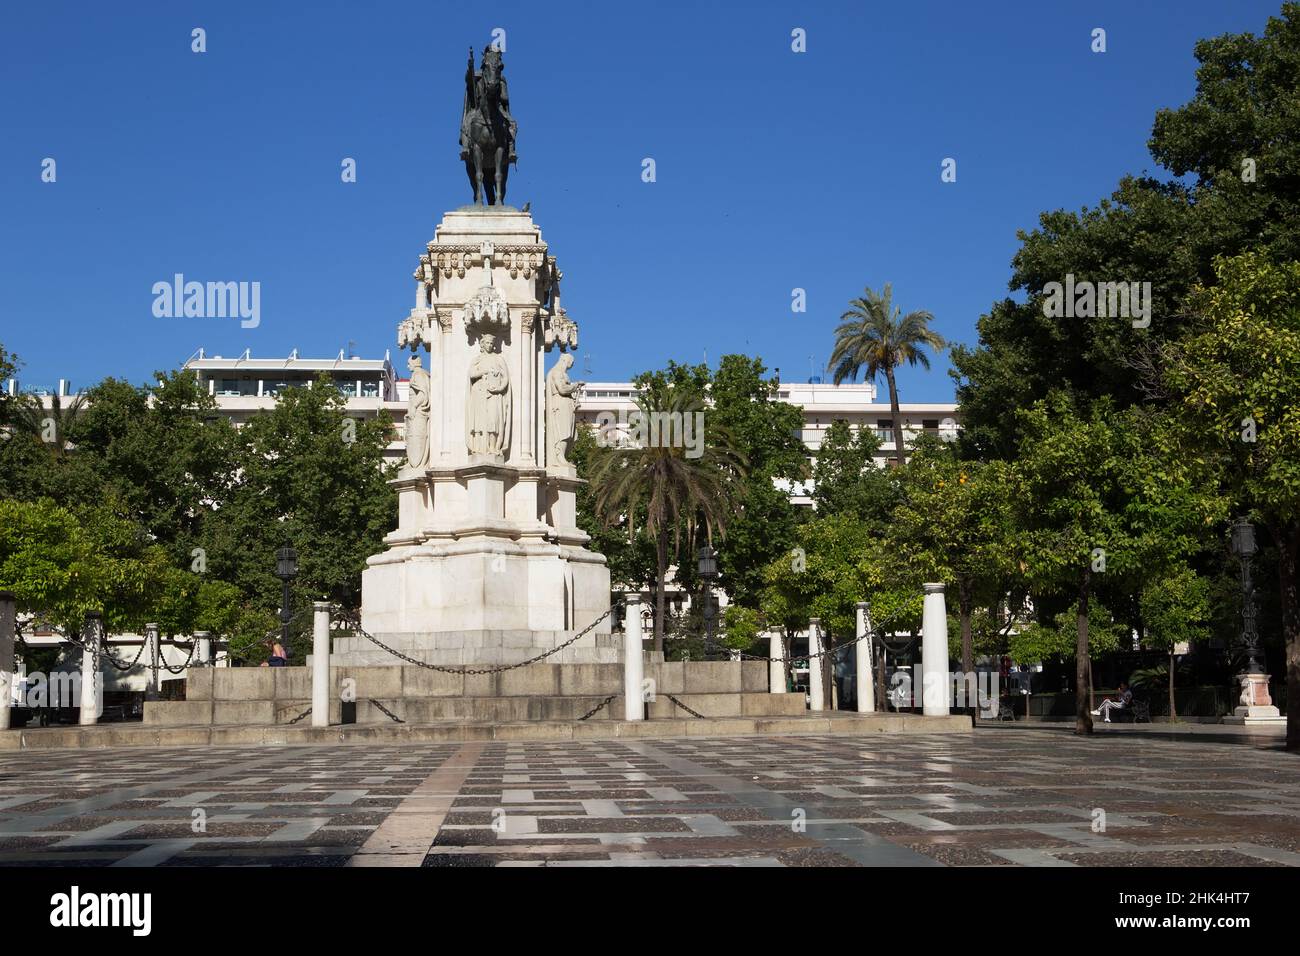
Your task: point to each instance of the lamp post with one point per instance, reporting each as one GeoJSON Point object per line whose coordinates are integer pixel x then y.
{"type": "Point", "coordinates": [1243, 546]}
{"type": "Point", "coordinates": [286, 569]}
{"type": "Point", "coordinates": [708, 571]}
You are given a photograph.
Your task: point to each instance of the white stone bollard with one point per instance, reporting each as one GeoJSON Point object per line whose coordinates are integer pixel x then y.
{"type": "Point", "coordinates": [152, 655]}
{"type": "Point", "coordinates": [935, 677]}
{"type": "Point", "coordinates": [8, 624]}
{"type": "Point", "coordinates": [776, 662]}
{"type": "Point", "coordinates": [633, 661]}
{"type": "Point", "coordinates": [816, 693]}
{"type": "Point", "coordinates": [203, 652]}
{"type": "Point", "coordinates": [864, 682]}
{"type": "Point", "coordinates": [320, 664]}
{"type": "Point", "coordinates": [89, 703]}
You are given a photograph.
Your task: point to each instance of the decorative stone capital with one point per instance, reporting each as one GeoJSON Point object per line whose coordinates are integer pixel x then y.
{"type": "Point", "coordinates": [562, 331]}
{"type": "Point", "coordinates": [487, 310]}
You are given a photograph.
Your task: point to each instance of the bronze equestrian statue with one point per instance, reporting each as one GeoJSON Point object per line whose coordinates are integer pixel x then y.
{"type": "Point", "coordinates": [487, 130]}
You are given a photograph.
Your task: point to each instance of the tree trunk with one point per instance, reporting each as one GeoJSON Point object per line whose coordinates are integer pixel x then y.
{"type": "Point", "coordinates": [1172, 712]}
{"type": "Point", "coordinates": [965, 607]}
{"type": "Point", "coordinates": [661, 600]}
{"type": "Point", "coordinates": [1288, 539]}
{"type": "Point", "coordinates": [826, 663]}
{"type": "Point", "coordinates": [899, 445]}
{"type": "Point", "coordinates": [787, 652]}
{"type": "Point", "coordinates": [1083, 661]}
{"type": "Point", "coordinates": [882, 701]}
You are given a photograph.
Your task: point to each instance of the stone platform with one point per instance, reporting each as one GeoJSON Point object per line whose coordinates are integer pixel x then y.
{"type": "Point", "coordinates": [388, 733]}
{"type": "Point", "coordinates": [536, 701]}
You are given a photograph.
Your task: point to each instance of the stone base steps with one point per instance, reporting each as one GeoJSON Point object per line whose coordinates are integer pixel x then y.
{"type": "Point", "coordinates": [477, 648]}
{"type": "Point", "coordinates": [136, 735]}
{"type": "Point", "coordinates": [425, 710]}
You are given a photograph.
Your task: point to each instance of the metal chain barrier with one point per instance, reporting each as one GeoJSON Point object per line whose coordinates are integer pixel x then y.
{"type": "Point", "coordinates": [355, 625]}
{"type": "Point", "coordinates": [108, 656]}
{"type": "Point", "coordinates": [386, 712]}
{"type": "Point", "coordinates": [598, 708]}
{"type": "Point", "coordinates": [194, 644]}
{"type": "Point", "coordinates": [300, 716]}
{"type": "Point", "coordinates": [871, 632]}
{"type": "Point", "coordinates": [693, 713]}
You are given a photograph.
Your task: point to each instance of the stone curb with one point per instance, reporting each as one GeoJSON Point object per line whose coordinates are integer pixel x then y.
{"type": "Point", "coordinates": [120, 735]}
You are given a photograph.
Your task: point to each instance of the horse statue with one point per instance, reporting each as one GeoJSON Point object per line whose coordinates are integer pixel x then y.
{"type": "Point", "coordinates": [487, 130]}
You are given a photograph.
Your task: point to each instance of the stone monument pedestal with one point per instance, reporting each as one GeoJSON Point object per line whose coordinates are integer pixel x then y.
{"type": "Point", "coordinates": [487, 564]}
{"type": "Point", "coordinates": [1257, 707]}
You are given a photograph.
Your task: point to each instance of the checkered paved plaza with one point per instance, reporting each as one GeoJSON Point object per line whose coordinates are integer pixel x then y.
{"type": "Point", "coordinates": [999, 796]}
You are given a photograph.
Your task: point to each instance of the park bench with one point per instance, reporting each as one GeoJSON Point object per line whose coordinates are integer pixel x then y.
{"type": "Point", "coordinates": [1138, 712]}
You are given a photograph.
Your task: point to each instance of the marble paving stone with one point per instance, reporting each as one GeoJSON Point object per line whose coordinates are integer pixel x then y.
{"type": "Point", "coordinates": [995, 798]}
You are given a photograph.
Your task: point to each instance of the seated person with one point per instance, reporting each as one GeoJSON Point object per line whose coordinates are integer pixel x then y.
{"type": "Point", "coordinates": [1124, 702]}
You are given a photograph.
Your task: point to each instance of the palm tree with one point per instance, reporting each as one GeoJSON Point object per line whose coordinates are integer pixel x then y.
{"type": "Point", "coordinates": [872, 336]}
{"type": "Point", "coordinates": [665, 487]}
{"type": "Point", "coordinates": [50, 425]}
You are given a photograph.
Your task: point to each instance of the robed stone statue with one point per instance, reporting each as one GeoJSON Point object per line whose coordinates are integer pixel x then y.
{"type": "Point", "coordinates": [561, 412]}
{"type": "Point", "coordinates": [487, 408]}
{"type": "Point", "coordinates": [417, 415]}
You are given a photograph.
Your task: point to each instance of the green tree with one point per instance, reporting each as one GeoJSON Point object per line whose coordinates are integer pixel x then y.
{"type": "Point", "coordinates": [8, 369]}
{"type": "Point", "coordinates": [629, 551]}
{"type": "Point", "coordinates": [161, 452]}
{"type": "Point", "coordinates": [308, 474]}
{"type": "Point", "coordinates": [664, 487]}
{"type": "Point", "coordinates": [847, 481]}
{"type": "Point", "coordinates": [1150, 229]}
{"type": "Point", "coordinates": [838, 561]}
{"type": "Point", "coordinates": [766, 433]}
{"type": "Point", "coordinates": [62, 565]}
{"type": "Point", "coordinates": [957, 524]}
{"type": "Point", "coordinates": [874, 336]}
{"type": "Point", "coordinates": [1236, 386]}
{"type": "Point", "coordinates": [1175, 610]}
{"type": "Point", "coordinates": [1096, 501]}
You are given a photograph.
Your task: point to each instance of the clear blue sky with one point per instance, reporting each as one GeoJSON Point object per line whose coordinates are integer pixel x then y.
{"type": "Point", "coordinates": [775, 169]}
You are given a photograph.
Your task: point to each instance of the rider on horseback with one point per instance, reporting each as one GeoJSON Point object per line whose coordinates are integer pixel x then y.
{"type": "Point", "coordinates": [476, 101]}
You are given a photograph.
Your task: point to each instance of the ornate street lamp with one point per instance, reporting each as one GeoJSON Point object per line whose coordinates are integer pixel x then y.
{"type": "Point", "coordinates": [708, 572]}
{"type": "Point", "coordinates": [1243, 546]}
{"type": "Point", "coordinates": [286, 569]}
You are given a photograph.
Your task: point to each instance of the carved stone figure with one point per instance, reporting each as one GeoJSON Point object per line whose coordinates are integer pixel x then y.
{"type": "Point", "coordinates": [487, 130]}
{"type": "Point", "coordinates": [561, 409]}
{"type": "Point", "coordinates": [487, 410]}
{"type": "Point", "coordinates": [417, 415]}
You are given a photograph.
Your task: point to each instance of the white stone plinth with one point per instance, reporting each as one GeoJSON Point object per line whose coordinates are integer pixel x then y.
{"type": "Point", "coordinates": [935, 677]}
{"type": "Point", "coordinates": [816, 689]}
{"type": "Point", "coordinates": [864, 682]}
{"type": "Point", "coordinates": [633, 661]}
{"type": "Point", "coordinates": [776, 663]}
{"type": "Point", "coordinates": [320, 665]}
{"type": "Point", "coordinates": [88, 706]}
